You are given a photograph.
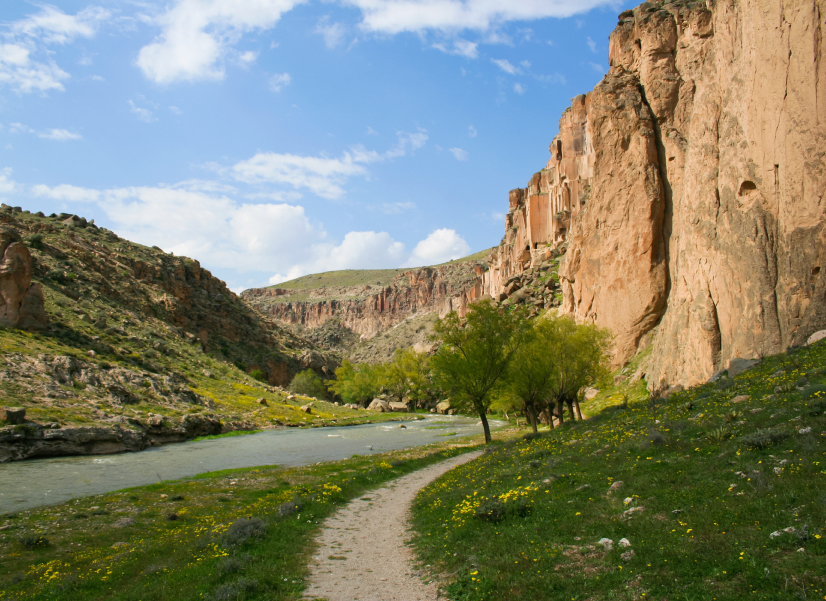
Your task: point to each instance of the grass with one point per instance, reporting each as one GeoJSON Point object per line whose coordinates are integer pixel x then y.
{"type": "Point", "coordinates": [234, 534]}
{"type": "Point", "coordinates": [227, 435]}
{"type": "Point", "coordinates": [700, 500]}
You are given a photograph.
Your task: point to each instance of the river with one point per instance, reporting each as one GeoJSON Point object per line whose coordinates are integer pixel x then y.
{"type": "Point", "coordinates": [37, 482]}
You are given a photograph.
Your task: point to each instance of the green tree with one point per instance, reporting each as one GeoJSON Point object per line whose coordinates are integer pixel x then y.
{"type": "Point", "coordinates": [356, 383]}
{"type": "Point", "coordinates": [583, 349]}
{"type": "Point", "coordinates": [406, 376]}
{"type": "Point", "coordinates": [535, 368]}
{"type": "Point", "coordinates": [307, 383]}
{"type": "Point", "coordinates": [475, 354]}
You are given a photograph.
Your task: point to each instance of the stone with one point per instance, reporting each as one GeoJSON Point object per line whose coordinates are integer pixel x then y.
{"type": "Point", "coordinates": [816, 337]}
{"type": "Point", "coordinates": [628, 556]}
{"type": "Point", "coordinates": [13, 415]}
{"type": "Point", "coordinates": [741, 398]}
{"type": "Point", "coordinates": [443, 407]}
{"type": "Point", "coordinates": [804, 430]}
{"type": "Point", "coordinates": [589, 394]}
{"type": "Point", "coordinates": [263, 401]}
{"type": "Point", "coordinates": [606, 543]}
{"type": "Point", "coordinates": [617, 485]}
{"type": "Point", "coordinates": [155, 420]}
{"type": "Point", "coordinates": [307, 408]}
{"type": "Point", "coordinates": [22, 304]}
{"type": "Point", "coordinates": [208, 374]}
{"type": "Point", "coordinates": [398, 407]}
{"type": "Point", "coordinates": [738, 366]}
{"type": "Point", "coordinates": [624, 542]}
{"type": "Point", "coordinates": [634, 510]}
{"type": "Point", "coordinates": [778, 533]}
{"type": "Point", "coordinates": [379, 405]}
{"type": "Point", "coordinates": [124, 522]}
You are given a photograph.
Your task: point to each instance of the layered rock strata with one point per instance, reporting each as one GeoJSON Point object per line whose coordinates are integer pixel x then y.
{"type": "Point", "coordinates": [700, 225]}
{"type": "Point", "coordinates": [369, 310]}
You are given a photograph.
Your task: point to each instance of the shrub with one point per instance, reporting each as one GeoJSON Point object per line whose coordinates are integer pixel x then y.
{"type": "Point", "coordinates": [232, 564]}
{"type": "Point", "coordinates": [811, 392]}
{"type": "Point", "coordinates": [307, 383]}
{"type": "Point", "coordinates": [785, 388]}
{"type": "Point", "coordinates": [233, 591]}
{"type": "Point", "coordinates": [817, 408]}
{"type": "Point", "coordinates": [288, 508]}
{"type": "Point", "coordinates": [34, 541]}
{"type": "Point", "coordinates": [35, 241]}
{"type": "Point", "coordinates": [258, 375]}
{"type": "Point", "coordinates": [719, 435]}
{"type": "Point", "coordinates": [732, 415]}
{"type": "Point", "coordinates": [495, 510]}
{"type": "Point", "coordinates": [762, 439]}
{"type": "Point", "coordinates": [243, 530]}
{"type": "Point", "coordinates": [725, 383]}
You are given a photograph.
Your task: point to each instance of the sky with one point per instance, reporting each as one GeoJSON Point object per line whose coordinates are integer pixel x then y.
{"type": "Point", "coordinates": [269, 139]}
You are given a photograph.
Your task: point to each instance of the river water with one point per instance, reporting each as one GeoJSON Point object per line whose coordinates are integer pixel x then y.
{"type": "Point", "coordinates": [27, 484]}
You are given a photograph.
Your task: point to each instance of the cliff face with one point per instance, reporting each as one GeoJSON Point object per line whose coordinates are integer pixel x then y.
{"type": "Point", "coordinates": [700, 177]}
{"type": "Point", "coordinates": [369, 310]}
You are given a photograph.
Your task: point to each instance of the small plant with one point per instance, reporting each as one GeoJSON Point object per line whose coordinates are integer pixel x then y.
{"type": "Point", "coordinates": [495, 510]}
{"type": "Point", "coordinates": [762, 439]}
{"type": "Point", "coordinates": [243, 530]}
{"type": "Point", "coordinates": [725, 383]}
{"type": "Point", "coordinates": [814, 392]}
{"type": "Point", "coordinates": [34, 541]}
{"type": "Point", "coordinates": [35, 241]}
{"type": "Point", "coordinates": [232, 564]}
{"type": "Point", "coordinates": [233, 591]}
{"type": "Point", "coordinates": [785, 388]}
{"type": "Point", "coordinates": [732, 416]}
{"type": "Point", "coordinates": [719, 435]}
{"type": "Point", "coordinates": [258, 375]}
{"type": "Point", "coordinates": [688, 406]}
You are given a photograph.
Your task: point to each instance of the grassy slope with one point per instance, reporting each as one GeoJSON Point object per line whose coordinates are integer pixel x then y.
{"type": "Point", "coordinates": [358, 277]}
{"type": "Point", "coordinates": [710, 502]}
{"type": "Point", "coordinates": [156, 558]}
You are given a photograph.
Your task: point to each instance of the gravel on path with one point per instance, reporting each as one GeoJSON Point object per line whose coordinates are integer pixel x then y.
{"type": "Point", "coordinates": [363, 553]}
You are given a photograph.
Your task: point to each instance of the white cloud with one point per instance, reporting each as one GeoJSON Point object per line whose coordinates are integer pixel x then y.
{"type": "Point", "coordinates": [519, 88]}
{"type": "Point", "coordinates": [505, 65]}
{"type": "Point", "coordinates": [596, 67]}
{"type": "Point", "coordinates": [394, 208]}
{"type": "Point", "coordinates": [460, 48]}
{"type": "Point", "coordinates": [279, 80]}
{"type": "Point", "coordinates": [497, 216]}
{"type": "Point", "coordinates": [333, 33]}
{"type": "Point", "coordinates": [7, 184]}
{"type": "Point", "coordinates": [440, 246]}
{"type": "Point", "coordinates": [66, 192]}
{"type": "Point", "coordinates": [175, 110]}
{"type": "Point", "coordinates": [61, 135]}
{"type": "Point", "coordinates": [526, 64]}
{"type": "Point", "coordinates": [143, 114]}
{"type": "Point", "coordinates": [591, 44]}
{"type": "Point", "coordinates": [321, 175]}
{"type": "Point", "coordinates": [461, 155]}
{"type": "Point", "coordinates": [196, 35]}
{"type": "Point", "coordinates": [396, 16]}
{"type": "Point", "coordinates": [248, 57]}
{"type": "Point", "coordinates": [471, 132]}
{"type": "Point", "coordinates": [371, 131]}
{"type": "Point", "coordinates": [26, 64]}
{"type": "Point", "coordinates": [555, 78]}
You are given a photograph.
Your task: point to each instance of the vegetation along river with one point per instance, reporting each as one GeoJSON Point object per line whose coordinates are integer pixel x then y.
{"type": "Point", "coordinates": [37, 482]}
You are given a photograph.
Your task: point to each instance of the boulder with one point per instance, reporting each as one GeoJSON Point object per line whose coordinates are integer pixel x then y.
{"type": "Point", "coordinates": [21, 301]}
{"type": "Point", "coordinates": [13, 415]}
{"type": "Point", "coordinates": [308, 408]}
{"type": "Point", "coordinates": [379, 405]}
{"type": "Point", "coordinates": [398, 407]}
{"type": "Point", "coordinates": [589, 394]}
{"type": "Point", "coordinates": [443, 407]}
{"type": "Point", "coordinates": [738, 366]}
{"type": "Point", "coordinates": [816, 337]}
{"type": "Point", "coordinates": [263, 401]}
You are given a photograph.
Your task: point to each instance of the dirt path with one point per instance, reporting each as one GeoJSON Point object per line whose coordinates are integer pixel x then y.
{"type": "Point", "coordinates": [363, 553]}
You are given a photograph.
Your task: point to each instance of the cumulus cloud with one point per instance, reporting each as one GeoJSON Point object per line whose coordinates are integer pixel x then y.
{"type": "Point", "coordinates": [197, 34]}
{"type": "Point", "coordinates": [279, 80]}
{"type": "Point", "coordinates": [321, 175]}
{"type": "Point", "coordinates": [439, 247]}
{"type": "Point", "coordinates": [519, 88]}
{"type": "Point", "coordinates": [66, 192]}
{"type": "Point", "coordinates": [505, 65]}
{"type": "Point", "coordinates": [26, 63]}
{"type": "Point", "coordinates": [396, 16]}
{"type": "Point", "coordinates": [7, 184]}
{"type": "Point", "coordinates": [333, 33]}
{"type": "Point", "coordinates": [461, 155]}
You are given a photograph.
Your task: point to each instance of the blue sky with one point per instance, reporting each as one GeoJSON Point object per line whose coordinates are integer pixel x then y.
{"type": "Point", "coordinates": [274, 138]}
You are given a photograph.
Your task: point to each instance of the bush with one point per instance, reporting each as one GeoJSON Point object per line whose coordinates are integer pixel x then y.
{"type": "Point", "coordinates": [258, 375]}
{"type": "Point", "coordinates": [34, 541]}
{"type": "Point", "coordinates": [762, 439]}
{"type": "Point", "coordinates": [811, 392]}
{"type": "Point", "coordinates": [243, 530]}
{"type": "Point", "coordinates": [307, 383]}
{"type": "Point", "coordinates": [288, 508]}
{"type": "Point", "coordinates": [35, 241]}
{"type": "Point", "coordinates": [495, 510]}
{"type": "Point", "coordinates": [233, 591]}
{"type": "Point", "coordinates": [232, 564]}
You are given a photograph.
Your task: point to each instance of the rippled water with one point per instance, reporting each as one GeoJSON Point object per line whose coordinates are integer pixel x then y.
{"type": "Point", "coordinates": [27, 484]}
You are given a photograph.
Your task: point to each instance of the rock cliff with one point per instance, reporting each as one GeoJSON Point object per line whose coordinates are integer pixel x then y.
{"type": "Point", "coordinates": [368, 310]}
{"type": "Point", "coordinates": [688, 188]}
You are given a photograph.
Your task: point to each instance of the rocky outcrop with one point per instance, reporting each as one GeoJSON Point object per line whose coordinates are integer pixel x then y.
{"type": "Point", "coordinates": [368, 310]}
{"type": "Point", "coordinates": [700, 223]}
{"type": "Point", "coordinates": [21, 301]}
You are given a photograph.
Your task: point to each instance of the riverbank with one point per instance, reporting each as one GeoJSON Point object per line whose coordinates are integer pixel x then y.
{"type": "Point", "coordinates": [219, 535]}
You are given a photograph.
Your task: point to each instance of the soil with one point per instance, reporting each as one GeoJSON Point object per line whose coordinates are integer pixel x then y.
{"type": "Point", "coordinates": [363, 553]}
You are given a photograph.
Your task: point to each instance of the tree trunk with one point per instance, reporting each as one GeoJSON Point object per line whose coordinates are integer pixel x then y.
{"type": "Point", "coordinates": [570, 403]}
{"type": "Point", "coordinates": [485, 426]}
{"type": "Point", "coordinates": [578, 410]}
{"type": "Point", "coordinates": [561, 410]}
{"type": "Point", "coordinates": [550, 415]}
{"type": "Point", "coordinates": [532, 415]}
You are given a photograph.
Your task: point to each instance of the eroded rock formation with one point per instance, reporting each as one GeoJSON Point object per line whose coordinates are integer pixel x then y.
{"type": "Point", "coordinates": [21, 300]}
{"type": "Point", "coordinates": [368, 310]}
{"type": "Point", "coordinates": [699, 162]}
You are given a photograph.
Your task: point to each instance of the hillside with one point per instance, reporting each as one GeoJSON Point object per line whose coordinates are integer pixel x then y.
{"type": "Point", "coordinates": [344, 310]}
{"type": "Point", "coordinates": [130, 346]}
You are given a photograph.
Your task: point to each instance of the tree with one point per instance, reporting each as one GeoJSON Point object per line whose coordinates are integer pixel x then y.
{"type": "Point", "coordinates": [407, 376]}
{"type": "Point", "coordinates": [584, 352]}
{"type": "Point", "coordinates": [307, 383]}
{"type": "Point", "coordinates": [535, 368]}
{"type": "Point", "coordinates": [356, 383]}
{"type": "Point", "coordinates": [475, 355]}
